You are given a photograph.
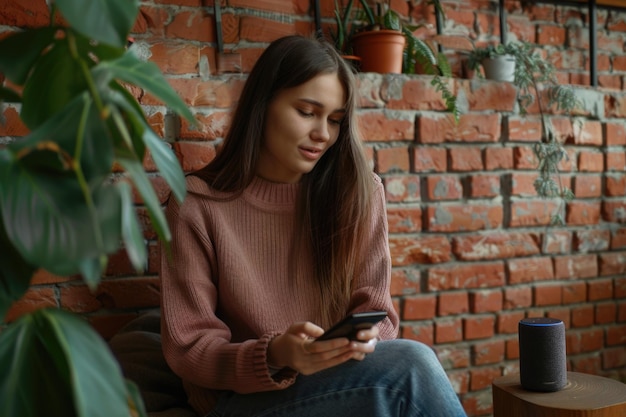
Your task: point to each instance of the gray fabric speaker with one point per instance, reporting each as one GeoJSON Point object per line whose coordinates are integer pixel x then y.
{"type": "Point", "coordinates": [542, 354]}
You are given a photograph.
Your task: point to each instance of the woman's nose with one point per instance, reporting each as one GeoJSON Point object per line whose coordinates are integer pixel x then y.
{"type": "Point", "coordinates": [321, 131]}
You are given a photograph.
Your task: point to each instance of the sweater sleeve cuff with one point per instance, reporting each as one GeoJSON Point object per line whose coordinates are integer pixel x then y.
{"type": "Point", "coordinates": [279, 377]}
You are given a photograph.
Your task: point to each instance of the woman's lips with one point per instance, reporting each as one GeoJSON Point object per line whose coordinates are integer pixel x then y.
{"type": "Point", "coordinates": [310, 153]}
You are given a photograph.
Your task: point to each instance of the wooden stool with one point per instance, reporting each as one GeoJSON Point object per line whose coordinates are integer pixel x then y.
{"type": "Point", "coordinates": [584, 396]}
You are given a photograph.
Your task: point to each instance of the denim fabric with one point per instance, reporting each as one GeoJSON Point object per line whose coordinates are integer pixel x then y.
{"type": "Point", "coordinates": [401, 378]}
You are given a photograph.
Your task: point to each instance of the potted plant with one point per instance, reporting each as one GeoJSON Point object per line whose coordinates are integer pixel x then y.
{"type": "Point", "coordinates": [498, 61]}
{"type": "Point", "coordinates": [60, 207]}
{"type": "Point", "coordinates": [344, 31]}
{"type": "Point", "coordinates": [384, 42]}
{"type": "Point", "coordinates": [536, 80]}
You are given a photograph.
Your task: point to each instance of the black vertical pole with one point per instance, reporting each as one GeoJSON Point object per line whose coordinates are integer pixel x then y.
{"type": "Point", "coordinates": [593, 43]}
{"type": "Point", "coordinates": [503, 28]}
{"type": "Point", "coordinates": [318, 17]}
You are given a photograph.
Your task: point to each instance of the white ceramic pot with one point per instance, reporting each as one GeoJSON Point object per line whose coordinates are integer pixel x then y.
{"type": "Point", "coordinates": [501, 68]}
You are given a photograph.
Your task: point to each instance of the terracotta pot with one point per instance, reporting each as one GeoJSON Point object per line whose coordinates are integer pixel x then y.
{"type": "Point", "coordinates": [380, 50]}
{"type": "Point", "coordinates": [501, 68]}
{"type": "Point", "coordinates": [354, 62]}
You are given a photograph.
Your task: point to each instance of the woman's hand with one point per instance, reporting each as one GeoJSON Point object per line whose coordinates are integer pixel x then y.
{"type": "Point", "coordinates": [298, 350]}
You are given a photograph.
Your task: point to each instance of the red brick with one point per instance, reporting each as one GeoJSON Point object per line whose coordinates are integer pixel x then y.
{"type": "Point", "coordinates": [429, 159]}
{"type": "Point", "coordinates": [452, 303]}
{"type": "Point", "coordinates": [590, 133]}
{"type": "Point", "coordinates": [615, 185]}
{"type": "Point", "coordinates": [474, 275]}
{"type": "Point", "coordinates": [583, 213]}
{"type": "Point", "coordinates": [618, 238]}
{"type": "Point", "coordinates": [194, 25]}
{"type": "Point", "coordinates": [498, 158]}
{"type": "Point", "coordinates": [424, 249]}
{"type": "Point", "coordinates": [421, 307]}
{"type": "Point", "coordinates": [471, 128]}
{"type": "Point", "coordinates": [392, 159]}
{"type": "Point", "coordinates": [547, 295]}
{"type": "Point", "coordinates": [614, 358]}
{"type": "Point", "coordinates": [576, 266]}
{"type": "Point", "coordinates": [414, 94]}
{"type": "Point", "coordinates": [592, 240]}
{"type": "Point", "coordinates": [193, 156]}
{"type": "Point", "coordinates": [614, 211]}
{"type": "Point", "coordinates": [484, 186]}
{"type": "Point", "coordinates": [464, 217]}
{"type": "Point", "coordinates": [574, 292]}
{"type": "Point", "coordinates": [452, 357]}
{"type": "Point", "coordinates": [495, 245]}
{"type": "Point", "coordinates": [524, 129]}
{"type": "Point", "coordinates": [404, 219]}
{"type": "Point", "coordinates": [532, 212]}
{"type": "Point", "coordinates": [551, 35]}
{"type": "Point", "coordinates": [557, 241]}
{"type": "Point", "coordinates": [508, 322]}
{"type": "Point", "coordinates": [422, 332]}
{"type": "Point", "coordinates": [524, 158]}
{"type": "Point", "coordinates": [523, 184]}
{"type": "Point", "coordinates": [12, 124]}
{"type": "Point", "coordinates": [175, 58]}
{"type": "Point", "coordinates": [482, 378]}
{"type": "Point", "coordinates": [444, 187]}
{"type": "Point", "coordinates": [615, 132]}
{"type": "Point", "coordinates": [34, 299]}
{"type": "Point", "coordinates": [517, 297]}
{"type": "Point", "coordinates": [404, 282]}
{"type": "Point", "coordinates": [448, 330]}
{"type": "Point", "coordinates": [258, 29]}
{"type": "Point", "coordinates": [487, 95]}
{"type": "Point", "coordinates": [512, 349]}
{"type": "Point", "coordinates": [600, 289]}
{"type": "Point", "coordinates": [402, 188]}
{"type": "Point", "coordinates": [24, 14]}
{"type": "Point", "coordinates": [606, 313]}
{"type": "Point", "coordinates": [529, 270]}
{"type": "Point", "coordinates": [615, 335]}
{"type": "Point", "coordinates": [586, 186]}
{"type": "Point", "coordinates": [385, 127]}
{"type": "Point", "coordinates": [486, 301]}
{"type": "Point", "coordinates": [466, 159]}
{"type": "Point", "coordinates": [590, 161]}
{"type": "Point", "coordinates": [615, 161]}
{"type": "Point", "coordinates": [582, 316]}
{"type": "Point", "coordinates": [478, 327]}
{"type": "Point", "coordinates": [612, 263]}
{"type": "Point", "coordinates": [489, 352]}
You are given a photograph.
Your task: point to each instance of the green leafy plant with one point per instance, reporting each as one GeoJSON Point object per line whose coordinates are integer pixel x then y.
{"type": "Point", "coordinates": [417, 52]}
{"type": "Point", "coordinates": [536, 80]}
{"type": "Point", "coordinates": [60, 207]}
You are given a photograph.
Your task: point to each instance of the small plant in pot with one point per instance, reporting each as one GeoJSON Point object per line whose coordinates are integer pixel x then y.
{"type": "Point", "coordinates": [497, 61]}
{"type": "Point", "coordinates": [536, 80]}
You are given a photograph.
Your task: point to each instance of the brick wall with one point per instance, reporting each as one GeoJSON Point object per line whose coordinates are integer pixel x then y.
{"type": "Point", "coordinates": [472, 252]}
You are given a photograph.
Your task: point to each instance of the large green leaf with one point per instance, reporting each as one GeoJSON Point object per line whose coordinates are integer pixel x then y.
{"type": "Point", "coordinates": [56, 79]}
{"type": "Point", "coordinates": [147, 75]}
{"type": "Point", "coordinates": [131, 231]}
{"type": "Point", "coordinates": [166, 162]}
{"type": "Point", "coordinates": [143, 185]}
{"type": "Point", "coordinates": [54, 355]}
{"type": "Point", "coordinates": [107, 21]}
{"type": "Point", "coordinates": [20, 51]}
{"type": "Point", "coordinates": [15, 272]}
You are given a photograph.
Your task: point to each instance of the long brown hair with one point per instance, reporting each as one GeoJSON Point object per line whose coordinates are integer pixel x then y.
{"type": "Point", "coordinates": [334, 203]}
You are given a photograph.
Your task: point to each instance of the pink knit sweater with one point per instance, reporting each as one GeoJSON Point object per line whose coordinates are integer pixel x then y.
{"type": "Point", "coordinates": [226, 290]}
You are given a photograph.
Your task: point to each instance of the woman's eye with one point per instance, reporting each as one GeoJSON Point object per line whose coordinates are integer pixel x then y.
{"type": "Point", "coordinates": [335, 121]}
{"type": "Point", "coordinates": [305, 113]}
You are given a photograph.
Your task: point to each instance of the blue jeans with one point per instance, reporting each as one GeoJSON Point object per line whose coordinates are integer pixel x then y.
{"type": "Point", "coordinates": [401, 378]}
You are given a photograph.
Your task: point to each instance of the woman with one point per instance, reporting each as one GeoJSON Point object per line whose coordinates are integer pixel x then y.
{"type": "Point", "coordinates": [281, 235]}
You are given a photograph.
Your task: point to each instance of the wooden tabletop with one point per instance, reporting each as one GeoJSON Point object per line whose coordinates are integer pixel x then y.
{"type": "Point", "coordinates": [584, 395]}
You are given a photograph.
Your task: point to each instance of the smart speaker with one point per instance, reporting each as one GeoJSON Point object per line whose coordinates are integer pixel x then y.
{"type": "Point", "coordinates": [542, 361]}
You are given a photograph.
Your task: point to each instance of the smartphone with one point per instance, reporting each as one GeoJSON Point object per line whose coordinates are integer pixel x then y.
{"type": "Point", "coordinates": [352, 324]}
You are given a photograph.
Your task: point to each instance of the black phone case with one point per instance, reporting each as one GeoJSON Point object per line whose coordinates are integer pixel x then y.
{"type": "Point", "coordinates": [351, 325]}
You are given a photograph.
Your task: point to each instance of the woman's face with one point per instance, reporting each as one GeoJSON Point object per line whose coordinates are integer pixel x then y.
{"type": "Point", "coordinates": [301, 124]}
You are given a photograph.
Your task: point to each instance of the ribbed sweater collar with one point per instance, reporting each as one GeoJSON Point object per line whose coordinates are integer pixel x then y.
{"type": "Point", "coordinates": [265, 193]}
